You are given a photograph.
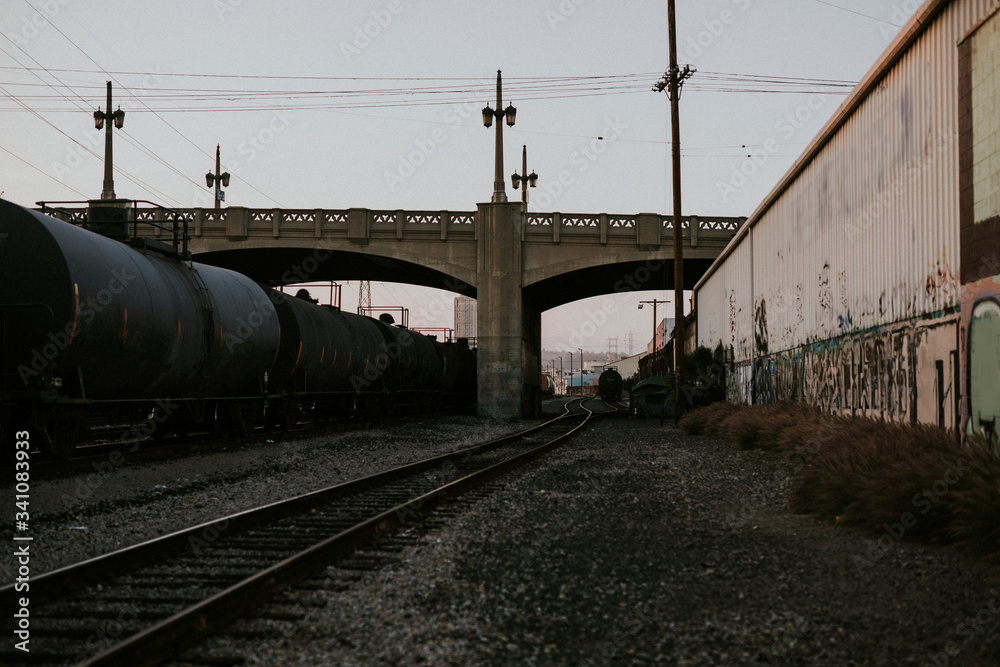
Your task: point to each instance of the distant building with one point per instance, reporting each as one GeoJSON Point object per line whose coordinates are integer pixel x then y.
{"type": "Point", "coordinates": [465, 317]}
{"type": "Point", "coordinates": [663, 332]}
{"type": "Point", "coordinates": [627, 367]}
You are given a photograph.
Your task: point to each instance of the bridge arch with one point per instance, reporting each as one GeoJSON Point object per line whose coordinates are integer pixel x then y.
{"type": "Point", "coordinates": [561, 283]}
{"type": "Point", "coordinates": [305, 262]}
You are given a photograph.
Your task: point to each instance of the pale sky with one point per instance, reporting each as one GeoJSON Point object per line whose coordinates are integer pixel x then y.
{"type": "Point", "coordinates": [376, 104]}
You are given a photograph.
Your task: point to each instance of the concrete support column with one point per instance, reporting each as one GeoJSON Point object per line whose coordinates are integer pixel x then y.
{"type": "Point", "coordinates": [531, 354]}
{"type": "Point", "coordinates": [500, 316]}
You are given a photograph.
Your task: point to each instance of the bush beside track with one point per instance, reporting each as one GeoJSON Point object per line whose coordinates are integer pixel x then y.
{"type": "Point", "coordinates": [915, 483]}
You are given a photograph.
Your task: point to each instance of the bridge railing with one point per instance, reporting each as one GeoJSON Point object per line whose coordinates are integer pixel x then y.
{"type": "Point", "coordinates": [616, 229]}
{"type": "Point", "coordinates": [360, 225]}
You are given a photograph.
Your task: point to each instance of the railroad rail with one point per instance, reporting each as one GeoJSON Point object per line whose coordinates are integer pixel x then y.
{"type": "Point", "coordinates": [158, 597]}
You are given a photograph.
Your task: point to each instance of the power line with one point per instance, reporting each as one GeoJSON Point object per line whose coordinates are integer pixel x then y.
{"type": "Point", "coordinates": [145, 149]}
{"type": "Point", "coordinates": [851, 11]}
{"type": "Point", "coordinates": [42, 172]}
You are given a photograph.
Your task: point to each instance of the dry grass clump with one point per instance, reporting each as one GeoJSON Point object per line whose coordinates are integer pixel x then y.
{"type": "Point", "coordinates": [707, 420]}
{"type": "Point", "coordinates": [869, 472]}
{"type": "Point", "coordinates": [763, 426]}
{"type": "Point", "coordinates": [756, 427]}
{"type": "Point", "coordinates": [907, 482]}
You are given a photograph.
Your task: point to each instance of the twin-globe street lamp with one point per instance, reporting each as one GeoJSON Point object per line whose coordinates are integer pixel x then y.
{"type": "Point", "coordinates": [499, 194]}
{"type": "Point", "coordinates": [118, 117]}
{"type": "Point", "coordinates": [526, 180]}
{"type": "Point", "coordinates": [218, 180]}
{"type": "Point", "coordinates": [517, 180]}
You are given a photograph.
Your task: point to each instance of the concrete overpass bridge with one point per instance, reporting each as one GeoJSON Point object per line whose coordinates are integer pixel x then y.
{"type": "Point", "coordinates": [516, 264]}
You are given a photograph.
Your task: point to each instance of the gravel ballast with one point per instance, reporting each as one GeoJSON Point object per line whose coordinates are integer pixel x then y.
{"type": "Point", "coordinates": [123, 502]}
{"type": "Point", "coordinates": [636, 544]}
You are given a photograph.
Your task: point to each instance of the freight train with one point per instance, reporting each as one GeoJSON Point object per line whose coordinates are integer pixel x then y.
{"type": "Point", "coordinates": [94, 330]}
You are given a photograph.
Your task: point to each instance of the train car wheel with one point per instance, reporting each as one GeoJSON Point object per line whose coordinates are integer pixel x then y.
{"type": "Point", "coordinates": [282, 414]}
{"type": "Point", "coordinates": [56, 432]}
{"type": "Point", "coordinates": [244, 418]}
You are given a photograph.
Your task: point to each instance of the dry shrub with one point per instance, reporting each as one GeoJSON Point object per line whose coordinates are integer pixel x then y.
{"type": "Point", "coordinates": [762, 426]}
{"type": "Point", "coordinates": [742, 429]}
{"type": "Point", "coordinates": [912, 482]}
{"type": "Point", "coordinates": [706, 420]}
{"type": "Point", "coordinates": [803, 438]}
{"type": "Point", "coordinates": [975, 501]}
{"type": "Point", "coordinates": [846, 476]}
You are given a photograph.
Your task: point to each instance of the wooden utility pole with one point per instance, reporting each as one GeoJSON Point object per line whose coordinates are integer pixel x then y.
{"type": "Point", "coordinates": [672, 81]}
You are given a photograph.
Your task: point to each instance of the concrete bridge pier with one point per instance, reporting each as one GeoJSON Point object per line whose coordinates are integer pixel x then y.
{"type": "Point", "coordinates": [509, 328]}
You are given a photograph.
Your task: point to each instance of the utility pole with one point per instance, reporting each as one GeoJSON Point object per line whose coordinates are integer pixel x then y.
{"type": "Point", "coordinates": [656, 323]}
{"type": "Point", "coordinates": [672, 80]}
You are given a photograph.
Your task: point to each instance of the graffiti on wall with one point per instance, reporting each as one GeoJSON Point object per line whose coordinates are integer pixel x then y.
{"type": "Point", "coordinates": [763, 388]}
{"type": "Point", "coordinates": [876, 372]}
{"type": "Point", "coordinates": [942, 284]}
{"type": "Point", "coordinates": [981, 321]}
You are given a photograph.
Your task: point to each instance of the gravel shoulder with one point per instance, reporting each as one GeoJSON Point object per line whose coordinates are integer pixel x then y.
{"type": "Point", "coordinates": [636, 544]}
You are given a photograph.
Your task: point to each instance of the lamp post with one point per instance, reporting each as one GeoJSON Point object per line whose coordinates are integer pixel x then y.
{"type": "Point", "coordinates": [655, 323]}
{"type": "Point", "coordinates": [570, 384]}
{"type": "Point", "coordinates": [218, 180]}
{"type": "Point", "coordinates": [118, 118]}
{"type": "Point", "coordinates": [499, 194]}
{"type": "Point", "coordinates": [526, 180]}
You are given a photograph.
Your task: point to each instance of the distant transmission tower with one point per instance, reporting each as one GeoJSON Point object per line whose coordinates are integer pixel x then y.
{"type": "Point", "coordinates": [364, 297]}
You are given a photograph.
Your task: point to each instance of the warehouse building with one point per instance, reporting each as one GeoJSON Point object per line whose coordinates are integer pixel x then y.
{"type": "Point", "coordinates": [868, 280]}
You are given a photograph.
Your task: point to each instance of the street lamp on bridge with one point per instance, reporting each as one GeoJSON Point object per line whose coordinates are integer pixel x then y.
{"type": "Point", "coordinates": [218, 180]}
{"type": "Point", "coordinates": [118, 118]}
{"type": "Point", "coordinates": [499, 194]}
{"type": "Point", "coordinates": [526, 179]}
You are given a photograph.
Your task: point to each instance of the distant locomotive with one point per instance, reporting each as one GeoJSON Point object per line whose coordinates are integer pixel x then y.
{"type": "Point", "coordinates": [94, 329]}
{"type": "Point", "coordinates": [609, 385]}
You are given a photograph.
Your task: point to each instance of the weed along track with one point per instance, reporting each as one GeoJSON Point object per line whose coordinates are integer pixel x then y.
{"type": "Point", "coordinates": [143, 604]}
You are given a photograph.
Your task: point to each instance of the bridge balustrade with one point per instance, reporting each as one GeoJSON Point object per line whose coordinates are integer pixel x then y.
{"type": "Point", "coordinates": [363, 225]}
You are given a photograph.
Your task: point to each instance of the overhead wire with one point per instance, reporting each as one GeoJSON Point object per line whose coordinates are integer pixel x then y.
{"type": "Point", "coordinates": [86, 149]}
{"type": "Point", "coordinates": [454, 91]}
{"type": "Point", "coordinates": [41, 171]}
{"type": "Point", "coordinates": [135, 141]}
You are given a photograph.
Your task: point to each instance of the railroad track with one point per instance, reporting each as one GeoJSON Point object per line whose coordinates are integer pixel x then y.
{"type": "Point", "coordinates": [145, 603]}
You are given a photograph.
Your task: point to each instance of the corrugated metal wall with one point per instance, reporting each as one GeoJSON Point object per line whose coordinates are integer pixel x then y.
{"type": "Point", "coordinates": [859, 254]}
